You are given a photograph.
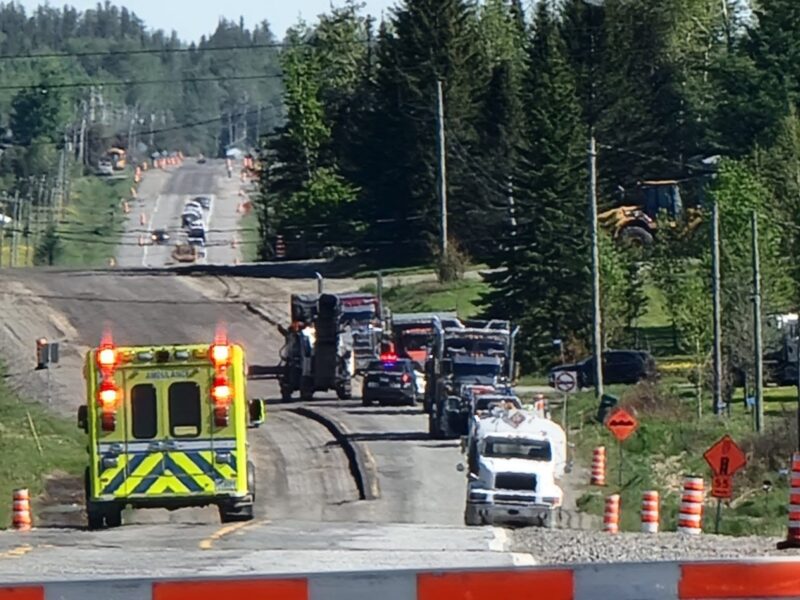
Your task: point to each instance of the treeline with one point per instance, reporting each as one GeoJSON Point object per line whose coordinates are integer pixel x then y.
{"type": "Point", "coordinates": [660, 85]}
{"type": "Point", "coordinates": [95, 78]}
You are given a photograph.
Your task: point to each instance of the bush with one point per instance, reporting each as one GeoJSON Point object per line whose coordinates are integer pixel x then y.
{"type": "Point", "coordinates": [451, 265]}
{"type": "Point", "coordinates": [650, 399]}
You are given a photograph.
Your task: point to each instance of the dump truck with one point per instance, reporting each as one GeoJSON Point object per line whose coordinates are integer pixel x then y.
{"type": "Point", "coordinates": [480, 353]}
{"type": "Point", "coordinates": [362, 313]}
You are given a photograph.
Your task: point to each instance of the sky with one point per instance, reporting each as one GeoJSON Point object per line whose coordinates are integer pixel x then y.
{"type": "Point", "coordinates": [193, 18]}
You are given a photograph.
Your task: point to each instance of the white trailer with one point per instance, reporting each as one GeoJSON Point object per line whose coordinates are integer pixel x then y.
{"type": "Point", "coordinates": [514, 458]}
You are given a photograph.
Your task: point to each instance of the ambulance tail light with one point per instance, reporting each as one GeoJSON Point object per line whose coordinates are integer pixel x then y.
{"type": "Point", "coordinates": [220, 355]}
{"type": "Point", "coordinates": [222, 395]}
{"type": "Point", "coordinates": [107, 358]}
{"type": "Point", "coordinates": [108, 397]}
{"type": "Point", "coordinates": [406, 378]}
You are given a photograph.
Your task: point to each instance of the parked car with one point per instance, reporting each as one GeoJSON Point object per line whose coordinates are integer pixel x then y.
{"type": "Point", "coordinates": [619, 366]}
{"type": "Point", "coordinates": [160, 236]}
{"type": "Point", "coordinates": [390, 380]}
{"type": "Point", "coordinates": [203, 201]}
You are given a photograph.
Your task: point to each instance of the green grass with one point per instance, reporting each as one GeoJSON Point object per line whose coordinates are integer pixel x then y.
{"type": "Point", "coordinates": [460, 296]}
{"type": "Point", "coordinates": [93, 222]}
{"type": "Point", "coordinates": [670, 443]}
{"type": "Point", "coordinates": [251, 237]}
{"type": "Point", "coordinates": [23, 465]}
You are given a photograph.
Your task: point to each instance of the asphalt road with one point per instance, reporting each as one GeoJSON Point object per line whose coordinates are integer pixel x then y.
{"type": "Point", "coordinates": [309, 515]}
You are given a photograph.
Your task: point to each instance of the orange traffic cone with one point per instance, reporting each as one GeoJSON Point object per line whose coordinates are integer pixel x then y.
{"type": "Point", "coordinates": [690, 517]}
{"type": "Point", "coordinates": [611, 514]}
{"type": "Point", "coordinates": [793, 535]}
{"type": "Point", "coordinates": [126, 207]}
{"type": "Point", "coordinates": [22, 510]}
{"type": "Point", "coordinates": [599, 466]}
{"type": "Point", "coordinates": [650, 515]}
{"type": "Point", "coordinates": [142, 219]}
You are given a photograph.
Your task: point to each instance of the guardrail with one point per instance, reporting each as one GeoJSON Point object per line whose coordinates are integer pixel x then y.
{"type": "Point", "coordinates": [767, 578]}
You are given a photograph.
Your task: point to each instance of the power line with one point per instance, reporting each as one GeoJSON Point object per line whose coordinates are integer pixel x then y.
{"type": "Point", "coordinates": [82, 84]}
{"type": "Point", "coordinates": [181, 50]}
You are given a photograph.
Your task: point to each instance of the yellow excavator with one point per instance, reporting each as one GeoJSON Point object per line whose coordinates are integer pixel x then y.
{"type": "Point", "coordinates": [636, 219]}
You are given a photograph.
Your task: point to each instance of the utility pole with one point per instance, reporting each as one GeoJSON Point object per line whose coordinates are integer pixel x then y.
{"type": "Point", "coordinates": [442, 166]}
{"type": "Point", "coordinates": [597, 317]}
{"type": "Point", "coordinates": [715, 284]}
{"type": "Point", "coordinates": [759, 354]}
{"type": "Point", "coordinates": [15, 232]}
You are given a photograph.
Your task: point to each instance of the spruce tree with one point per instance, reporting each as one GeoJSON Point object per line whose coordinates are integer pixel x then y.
{"type": "Point", "coordinates": [546, 285]}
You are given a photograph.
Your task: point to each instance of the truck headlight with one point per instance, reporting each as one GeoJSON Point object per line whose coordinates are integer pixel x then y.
{"type": "Point", "coordinates": [553, 500]}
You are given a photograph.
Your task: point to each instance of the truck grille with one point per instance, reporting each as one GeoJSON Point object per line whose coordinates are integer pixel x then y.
{"type": "Point", "coordinates": [515, 481]}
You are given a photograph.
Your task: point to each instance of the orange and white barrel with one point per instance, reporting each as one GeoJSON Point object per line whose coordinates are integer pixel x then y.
{"type": "Point", "coordinates": [280, 247]}
{"type": "Point", "coordinates": [21, 519]}
{"type": "Point", "coordinates": [650, 517]}
{"type": "Point", "coordinates": [611, 514]}
{"type": "Point", "coordinates": [690, 517]}
{"type": "Point", "coordinates": [793, 534]}
{"type": "Point", "coordinates": [599, 466]}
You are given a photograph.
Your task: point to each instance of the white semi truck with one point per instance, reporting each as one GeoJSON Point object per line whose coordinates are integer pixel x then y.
{"type": "Point", "coordinates": [514, 461]}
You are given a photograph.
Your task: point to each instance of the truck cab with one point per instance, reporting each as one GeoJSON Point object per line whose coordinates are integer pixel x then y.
{"type": "Point", "coordinates": [515, 459]}
{"type": "Point", "coordinates": [166, 428]}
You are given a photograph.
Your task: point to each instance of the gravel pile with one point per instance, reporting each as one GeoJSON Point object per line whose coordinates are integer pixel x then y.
{"type": "Point", "coordinates": [565, 546]}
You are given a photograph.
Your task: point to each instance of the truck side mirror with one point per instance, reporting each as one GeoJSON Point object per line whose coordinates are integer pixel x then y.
{"type": "Point", "coordinates": [83, 418]}
{"type": "Point", "coordinates": [256, 413]}
{"type": "Point", "coordinates": [460, 467]}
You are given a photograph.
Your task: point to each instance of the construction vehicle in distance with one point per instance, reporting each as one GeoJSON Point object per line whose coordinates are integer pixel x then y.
{"type": "Point", "coordinates": [636, 219]}
{"type": "Point", "coordinates": [781, 348]}
{"type": "Point", "coordinates": [118, 158]}
{"type": "Point", "coordinates": [318, 351]}
{"type": "Point", "coordinates": [185, 253]}
{"type": "Point", "coordinates": [515, 459]}
{"type": "Point", "coordinates": [412, 334]}
{"type": "Point", "coordinates": [362, 313]}
{"type": "Point", "coordinates": [480, 353]}
{"type": "Point", "coordinates": [167, 428]}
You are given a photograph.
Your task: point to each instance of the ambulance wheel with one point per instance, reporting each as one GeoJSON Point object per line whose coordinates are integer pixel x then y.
{"type": "Point", "coordinates": [94, 517]}
{"type": "Point", "coordinates": [114, 517]}
{"type": "Point", "coordinates": [231, 514]}
{"type": "Point", "coordinates": [251, 479]}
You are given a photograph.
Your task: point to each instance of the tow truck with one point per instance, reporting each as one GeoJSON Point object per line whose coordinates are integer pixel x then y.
{"type": "Point", "coordinates": [166, 427]}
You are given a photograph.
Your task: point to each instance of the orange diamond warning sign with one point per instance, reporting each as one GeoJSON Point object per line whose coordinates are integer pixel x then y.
{"type": "Point", "coordinates": [725, 457]}
{"type": "Point", "coordinates": [621, 424]}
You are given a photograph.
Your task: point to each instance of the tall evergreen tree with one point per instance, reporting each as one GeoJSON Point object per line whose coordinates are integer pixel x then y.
{"type": "Point", "coordinates": [546, 285]}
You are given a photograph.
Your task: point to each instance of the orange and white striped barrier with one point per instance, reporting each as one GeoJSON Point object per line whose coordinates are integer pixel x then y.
{"type": "Point", "coordinates": [650, 516]}
{"type": "Point", "coordinates": [690, 517]}
{"type": "Point", "coordinates": [137, 176]}
{"type": "Point", "coordinates": [126, 208]}
{"type": "Point", "coordinates": [112, 262]}
{"type": "Point", "coordinates": [142, 219]}
{"type": "Point", "coordinates": [144, 166]}
{"type": "Point", "coordinates": [764, 578]}
{"type": "Point", "coordinates": [611, 514]}
{"type": "Point", "coordinates": [134, 194]}
{"type": "Point", "coordinates": [599, 466]}
{"type": "Point", "coordinates": [141, 240]}
{"type": "Point", "coordinates": [21, 519]}
{"type": "Point", "coordinates": [793, 533]}
{"type": "Point", "coordinates": [234, 243]}
{"type": "Point", "coordinates": [280, 247]}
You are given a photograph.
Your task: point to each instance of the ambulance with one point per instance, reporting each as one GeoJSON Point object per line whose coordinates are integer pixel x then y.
{"type": "Point", "coordinates": [167, 428]}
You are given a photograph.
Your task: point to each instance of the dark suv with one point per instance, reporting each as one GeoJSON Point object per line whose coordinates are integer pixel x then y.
{"type": "Point", "coordinates": [619, 366]}
{"type": "Point", "coordinates": [392, 381]}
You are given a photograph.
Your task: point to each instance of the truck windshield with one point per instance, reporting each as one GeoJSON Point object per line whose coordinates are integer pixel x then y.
{"type": "Point", "coordinates": [358, 316]}
{"type": "Point", "coordinates": [530, 449]}
{"type": "Point", "coordinates": [468, 369]}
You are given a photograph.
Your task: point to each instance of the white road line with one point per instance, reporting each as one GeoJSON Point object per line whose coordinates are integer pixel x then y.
{"type": "Point", "coordinates": [146, 246]}
{"type": "Point", "coordinates": [500, 542]}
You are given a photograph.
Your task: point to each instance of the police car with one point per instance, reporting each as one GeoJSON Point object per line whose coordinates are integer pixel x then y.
{"type": "Point", "coordinates": [390, 380]}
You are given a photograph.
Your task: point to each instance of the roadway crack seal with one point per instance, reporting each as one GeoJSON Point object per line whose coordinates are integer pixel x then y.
{"type": "Point", "coordinates": [362, 466]}
{"type": "Point", "coordinates": [261, 314]}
